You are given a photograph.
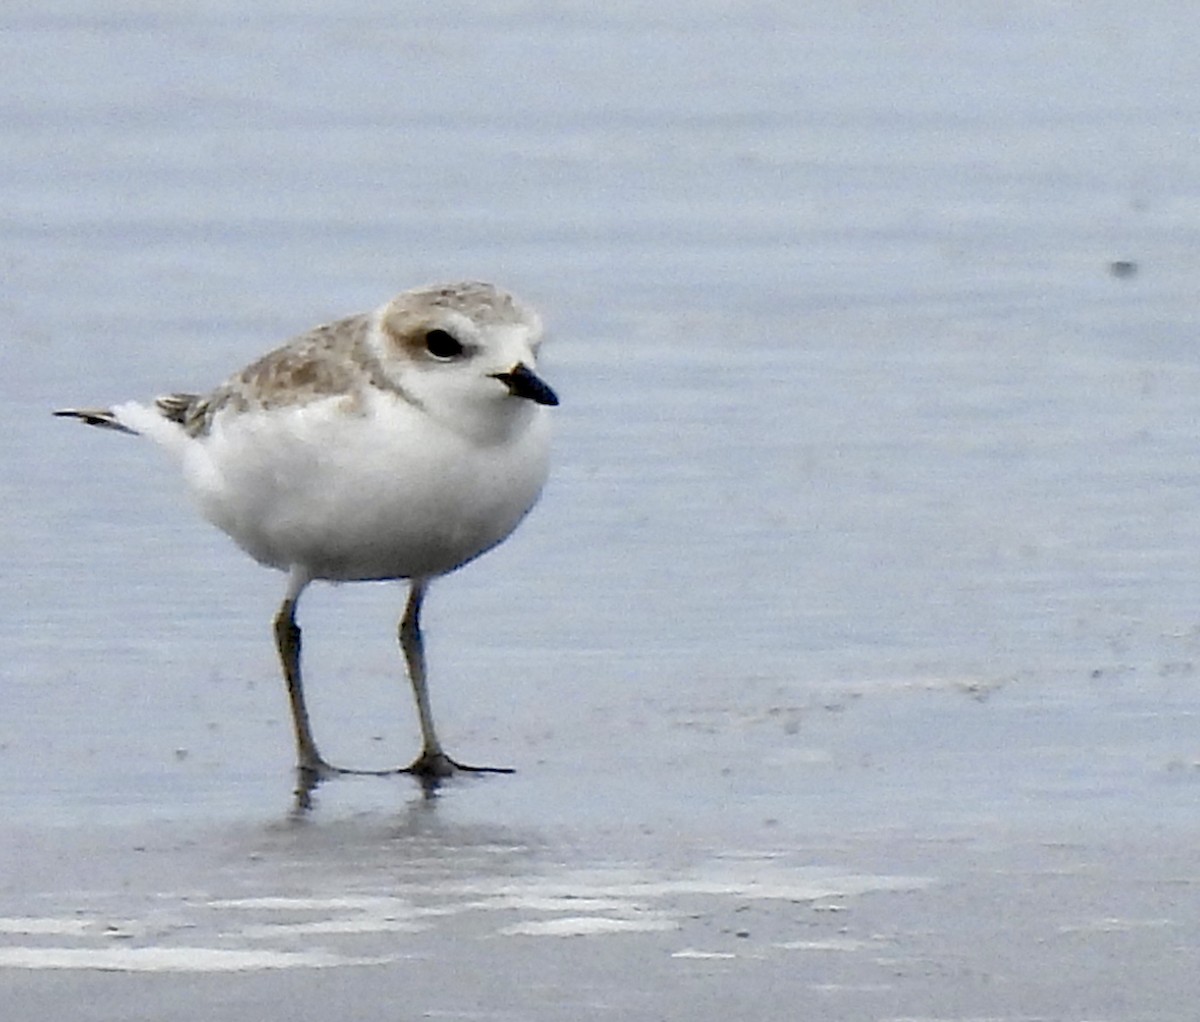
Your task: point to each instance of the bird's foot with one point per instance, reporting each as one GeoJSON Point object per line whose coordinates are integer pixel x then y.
{"type": "Point", "coordinates": [437, 766]}
{"type": "Point", "coordinates": [429, 768]}
{"type": "Point", "coordinates": [310, 772]}
{"type": "Point", "coordinates": [313, 770]}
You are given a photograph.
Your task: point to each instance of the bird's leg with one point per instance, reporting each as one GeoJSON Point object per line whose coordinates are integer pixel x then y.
{"type": "Point", "coordinates": [433, 762]}
{"type": "Point", "coordinates": [287, 639]}
{"type": "Point", "coordinates": [414, 657]}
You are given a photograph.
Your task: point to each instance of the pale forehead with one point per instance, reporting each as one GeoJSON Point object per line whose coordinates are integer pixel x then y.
{"type": "Point", "coordinates": [484, 304]}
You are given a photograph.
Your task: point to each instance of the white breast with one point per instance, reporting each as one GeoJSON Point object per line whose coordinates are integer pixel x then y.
{"type": "Point", "coordinates": [352, 492]}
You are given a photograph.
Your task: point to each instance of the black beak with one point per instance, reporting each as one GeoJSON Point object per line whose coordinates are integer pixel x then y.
{"type": "Point", "coordinates": [522, 381]}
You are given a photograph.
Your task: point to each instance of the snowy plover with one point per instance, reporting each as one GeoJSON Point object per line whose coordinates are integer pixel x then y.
{"type": "Point", "coordinates": [396, 444]}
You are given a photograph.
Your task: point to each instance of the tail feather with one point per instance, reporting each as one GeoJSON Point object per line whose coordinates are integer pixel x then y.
{"type": "Point", "coordinates": [102, 417]}
{"type": "Point", "coordinates": [176, 407]}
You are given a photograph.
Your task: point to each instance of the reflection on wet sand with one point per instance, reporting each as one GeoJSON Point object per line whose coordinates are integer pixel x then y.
{"type": "Point", "coordinates": [372, 890]}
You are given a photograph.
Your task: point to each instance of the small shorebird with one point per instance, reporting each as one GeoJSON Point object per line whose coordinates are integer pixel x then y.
{"type": "Point", "coordinates": [396, 444]}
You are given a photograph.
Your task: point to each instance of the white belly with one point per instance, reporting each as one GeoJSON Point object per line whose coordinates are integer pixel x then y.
{"type": "Point", "coordinates": [354, 494]}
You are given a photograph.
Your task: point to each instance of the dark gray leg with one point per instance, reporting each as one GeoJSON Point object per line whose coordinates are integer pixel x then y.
{"type": "Point", "coordinates": [433, 761]}
{"type": "Point", "coordinates": [287, 639]}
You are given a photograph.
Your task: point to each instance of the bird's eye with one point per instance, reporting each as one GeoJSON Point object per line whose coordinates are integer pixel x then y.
{"type": "Point", "coordinates": [442, 344]}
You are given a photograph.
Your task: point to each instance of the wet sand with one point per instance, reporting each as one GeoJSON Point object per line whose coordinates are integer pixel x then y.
{"type": "Point", "coordinates": [430, 912]}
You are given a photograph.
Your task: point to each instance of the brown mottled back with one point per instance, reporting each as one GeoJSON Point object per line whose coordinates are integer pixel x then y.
{"type": "Point", "coordinates": [325, 361]}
